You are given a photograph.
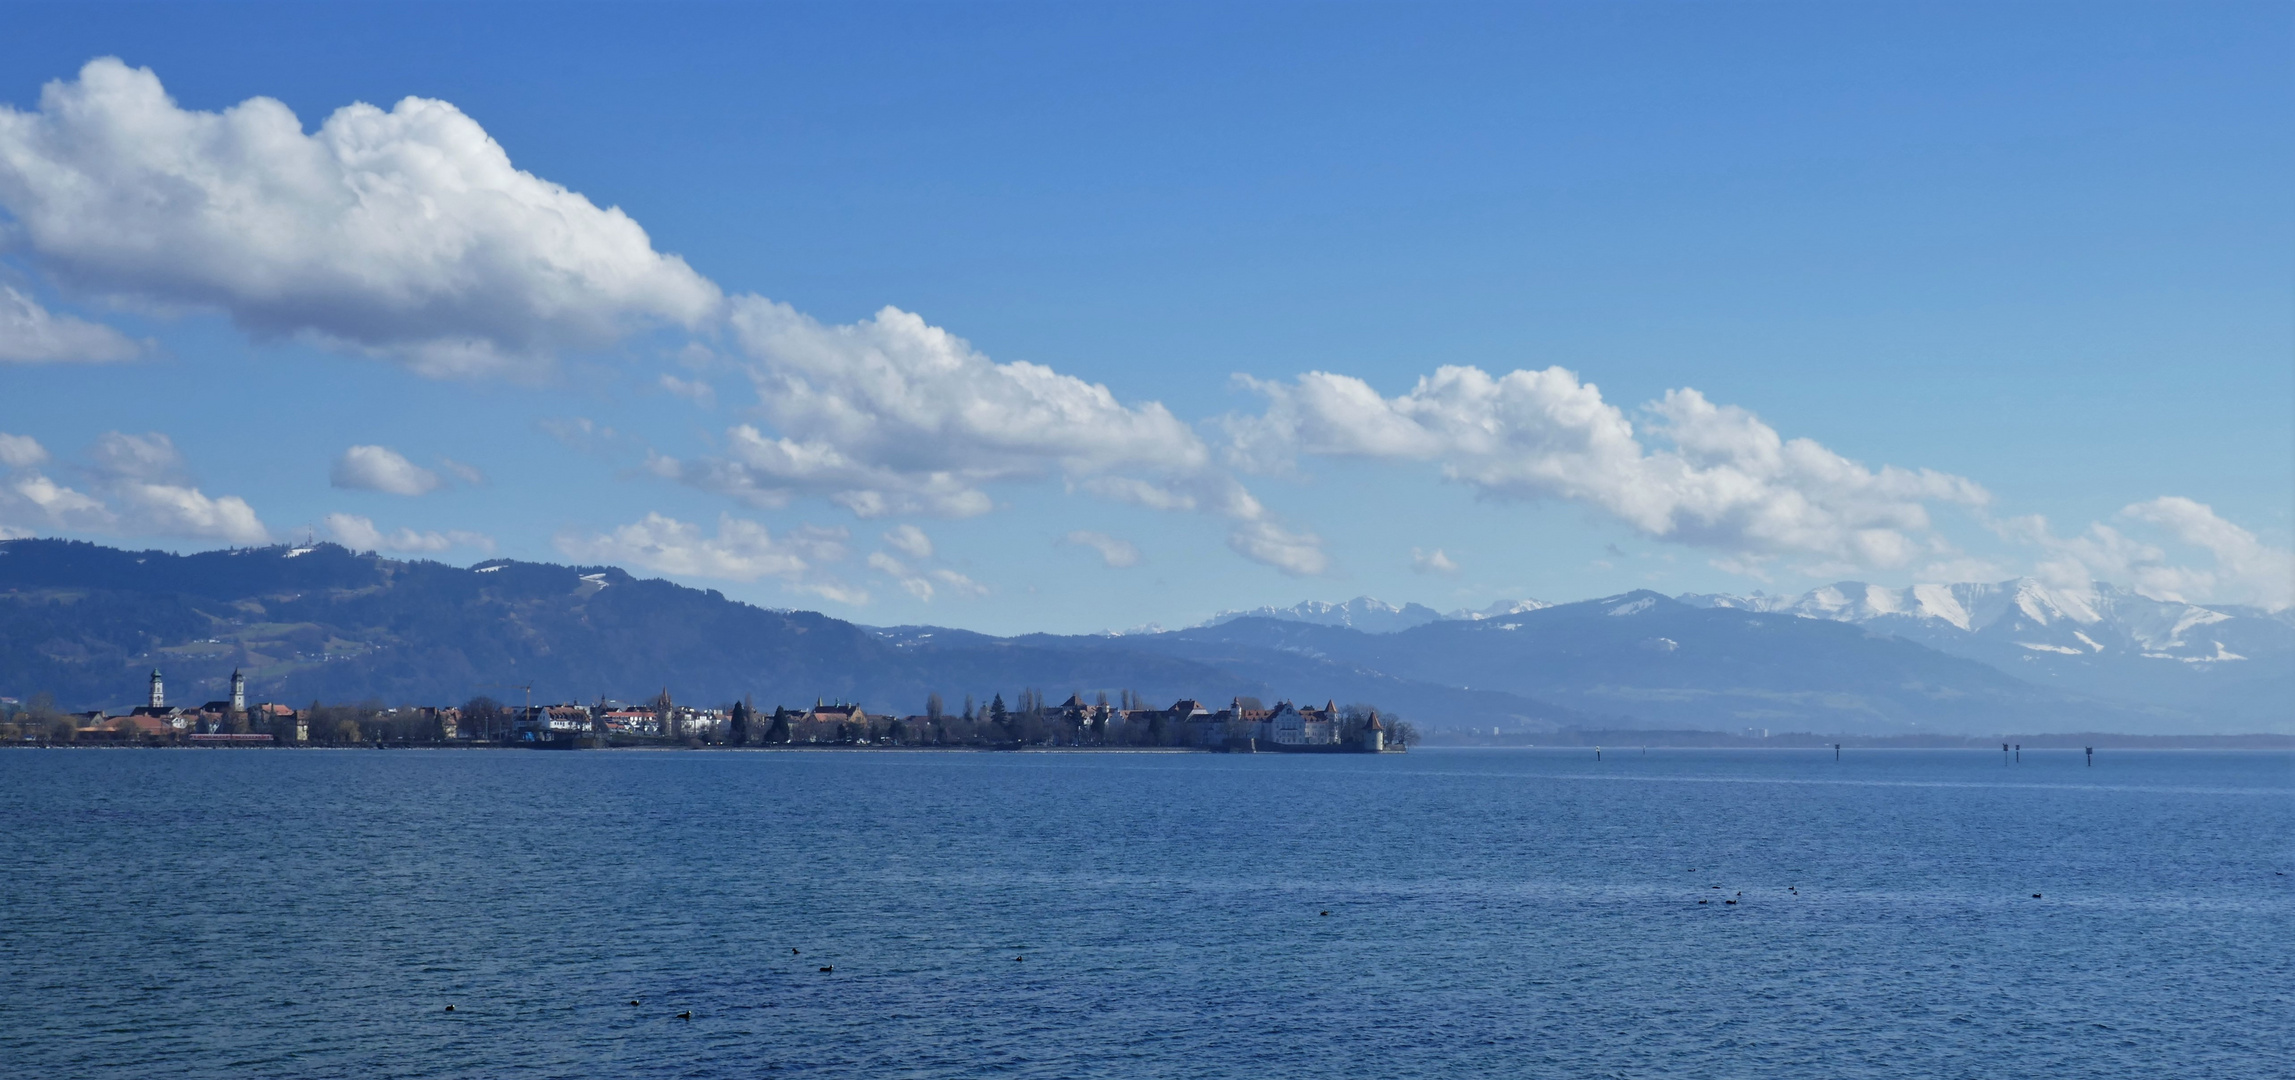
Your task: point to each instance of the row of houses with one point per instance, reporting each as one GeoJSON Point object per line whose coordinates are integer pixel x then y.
{"type": "Point", "coordinates": [1187, 722]}
{"type": "Point", "coordinates": [230, 720]}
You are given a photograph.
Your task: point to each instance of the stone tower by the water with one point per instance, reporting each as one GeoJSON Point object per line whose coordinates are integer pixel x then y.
{"type": "Point", "coordinates": [158, 691]}
{"type": "Point", "coordinates": [238, 692]}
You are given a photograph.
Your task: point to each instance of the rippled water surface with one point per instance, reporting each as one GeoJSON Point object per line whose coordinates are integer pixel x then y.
{"type": "Point", "coordinates": [1500, 913]}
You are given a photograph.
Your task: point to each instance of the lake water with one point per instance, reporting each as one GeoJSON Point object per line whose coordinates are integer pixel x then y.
{"type": "Point", "coordinates": [1491, 913]}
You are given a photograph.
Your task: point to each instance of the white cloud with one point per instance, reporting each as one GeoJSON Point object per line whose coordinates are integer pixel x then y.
{"type": "Point", "coordinates": [29, 333]}
{"type": "Point", "coordinates": [1727, 482]}
{"type": "Point", "coordinates": [30, 500]}
{"type": "Point", "coordinates": [148, 457]}
{"type": "Point", "coordinates": [138, 486]}
{"type": "Point", "coordinates": [176, 510]}
{"type": "Point", "coordinates": [910, 541]}
{"type": "Point", "coordinates": [891, 415]}
{"type": "Point", "coordinates": [145, 478]}
{"type": "Point", "coordinates": [917, 585]}
{"type": "Point", "coordinates": [1432, 562]}
{"type": "Point", "coordinates": [405, 234]}
{"type": "Point", "coordinates": [2243, 569]}
{"type": "Point", "coordinates": [1297, 554]}
{"type": "Point", "coordinates": [694, 390]}
{"type": "Point", "coordinates": [21, 451]}
{"type": "Point", "coordinates": [959, 583]}
{"type": "Point", "coordinates": [468, 474]}
{"type": "Point", "coordinates": [380, 468]}
{"type": "Point", "coordinates": [359, 533]}
{"type": "Point", "coordinates": [1114, 551]}
{"type": "Point", "coordinates": [581, 433]}
{"type": "Point", "coordinates": [741, 551]}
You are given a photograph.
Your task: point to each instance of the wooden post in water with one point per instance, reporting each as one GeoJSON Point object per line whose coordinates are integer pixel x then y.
{"type": "Point", "coordinates": [1836, 751]}
{"type": "Point", "coordinates": [2019, 751]}
{"type": "Point", "coordinates": [1597, 753]}
{"type": "Point", "coordinates": [2091, 757]}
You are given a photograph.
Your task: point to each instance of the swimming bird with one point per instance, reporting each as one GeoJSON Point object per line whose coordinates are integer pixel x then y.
{"type": "Point", "coordinates": [828, 969]}
{"type": "Point", "coordinates": [1017, 959]}
{"type": "Point", "coordinates": [450, 1008]}
{"type": "Point", "coordinates": [633, 1001]}
{"type": "Point", "coordinates": [1326, 913]}
{"type": "Point", "coordinates": [2035, 896]}
{"type": "Point", "coordinates": [685, 1016]}
{"type": "Point", "coordinates": [1705, 901]}
{"type": "Point", "coordinates": [1729, 901]}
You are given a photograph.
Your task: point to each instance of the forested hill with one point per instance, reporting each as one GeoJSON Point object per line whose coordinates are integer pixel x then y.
{"type": "Point", "coordinates": [87, 623]}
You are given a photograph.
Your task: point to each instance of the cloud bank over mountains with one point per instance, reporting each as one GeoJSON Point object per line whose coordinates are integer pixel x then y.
{"type": "Point", "coordinates": [1727, 482]}
{"type": "Point", "coordinates": [409, 235]}
{"type": "Point", "coordinates": [136, 485]}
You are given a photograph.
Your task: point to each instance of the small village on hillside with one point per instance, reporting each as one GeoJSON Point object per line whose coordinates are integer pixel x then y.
{"type": "Point", "coordinates": [1245, 725]}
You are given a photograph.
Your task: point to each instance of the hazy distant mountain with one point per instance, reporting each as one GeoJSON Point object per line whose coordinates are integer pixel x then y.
{"type": "Point", "coordinates": [2233, 663]}
{"type": "Point", "coordinates": [1667, 663]}
{"type": "Point", "coordinates": [1367, 614]}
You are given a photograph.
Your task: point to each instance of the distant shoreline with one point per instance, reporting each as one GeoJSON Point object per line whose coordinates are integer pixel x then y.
{"type": "Point", "coordinates": [2070, 744]}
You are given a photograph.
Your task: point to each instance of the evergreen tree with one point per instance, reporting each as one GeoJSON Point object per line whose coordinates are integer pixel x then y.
{"type": "Point", "coordinates": [996, 713]}
{"type": "Point", "coordinates": [778, 732]}
{"type": "Point", "coordinates": [738, 734]}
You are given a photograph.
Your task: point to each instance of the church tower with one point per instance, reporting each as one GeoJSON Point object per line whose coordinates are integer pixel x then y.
{"type": "Point", "coordinates": [158, 691]}
{"type": "Point", "coordinates": [238, 692]}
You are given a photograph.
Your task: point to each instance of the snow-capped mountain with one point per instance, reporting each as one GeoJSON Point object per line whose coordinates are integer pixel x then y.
{"type": "Point", "coordinates": [1374, 616]}
{"type": "Point", "coordinates": [1499, 610]}
{"type": "Point", "coordinates": [2101, 639]}
{"type": "Point", "coordinates": [1363, 613]}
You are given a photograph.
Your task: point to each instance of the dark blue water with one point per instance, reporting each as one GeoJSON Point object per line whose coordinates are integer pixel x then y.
{"type": "Point", "coordinates": [1502, 913]}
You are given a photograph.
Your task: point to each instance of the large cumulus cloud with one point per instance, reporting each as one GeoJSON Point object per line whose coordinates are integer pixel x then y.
{"type": "Point", "coordinates": [405, 233]}
{"type": "Point", "coordinates": [1720, 479]}
{"type": "Point", "coordinates": [892, 415]}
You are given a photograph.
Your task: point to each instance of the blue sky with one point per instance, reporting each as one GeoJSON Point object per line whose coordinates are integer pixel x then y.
{"type": "Point", "coordinates": [2020, 277]}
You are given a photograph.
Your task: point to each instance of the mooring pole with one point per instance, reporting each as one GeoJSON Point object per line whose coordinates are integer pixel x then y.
{"type": "Point", "coordinates": [1836, 751]}
{"type": "Point", "coordinates": [2091, 757]}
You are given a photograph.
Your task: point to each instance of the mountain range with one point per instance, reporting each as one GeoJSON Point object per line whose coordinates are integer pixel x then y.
{"type": "Point", "coordinates": [85, 623]}
{"type": "Point", "coordinates": [2224, 663]}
